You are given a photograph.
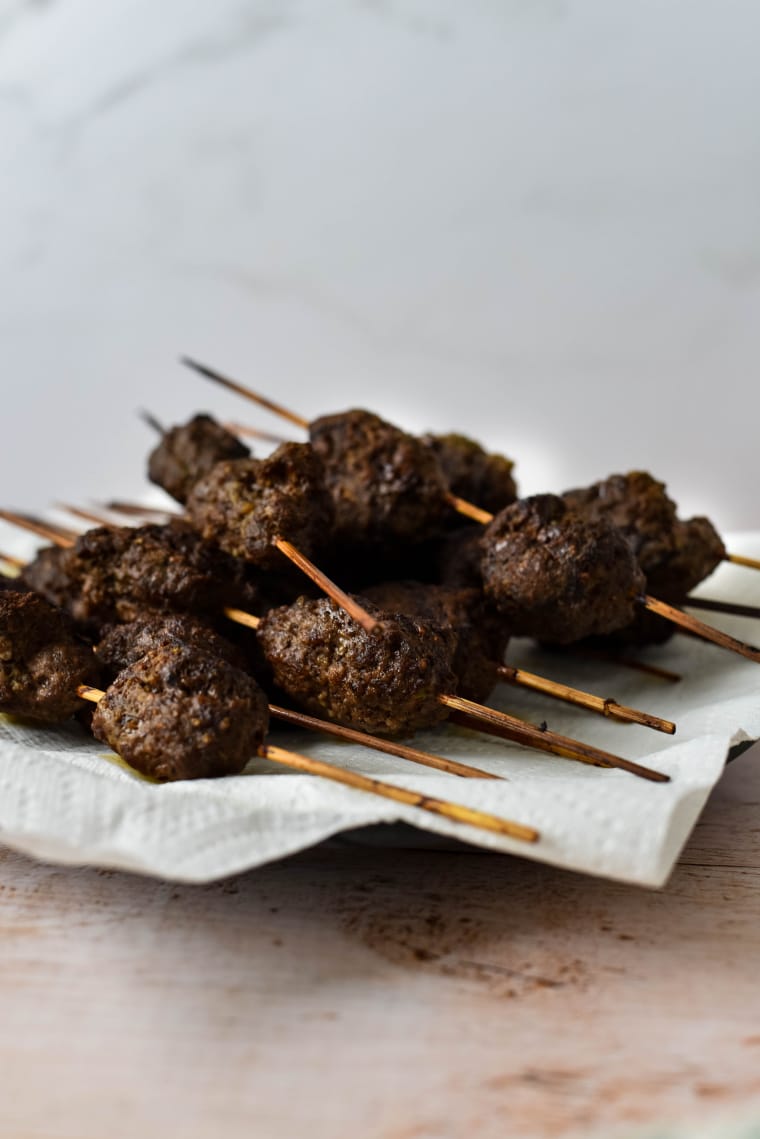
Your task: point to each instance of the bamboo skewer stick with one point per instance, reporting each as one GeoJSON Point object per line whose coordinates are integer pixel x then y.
{"type": "Point", "coordinates": [604, 706]}
{"type": "Point", "coordinates": [402, 751]}
{"type": "Point", "coordinates": [326, 585]}
{"type": "Point", "coordinates": [85, 515]}
{"type": "Point", "coordinates": [469, 510]}
{"type": "Point", "coordinates": [628, 662]}
{"type": "Point", "coordinates": [149, 418]}
{"type": "Point", "coordinates": [12, 560]}
{"type": "Point", "coordinates": [741, 560]}
{"type": "Point", "coordinates": [135, 510]}
{"type": "Point", "coordinates": [240, 617]}
{"type": "Point", "coordinates": [59, 535]}
{"type": "Point", "coordinates": [731, 608]}
{"type": "Point", "coordinates": [240, 389]}
{"type": "Point", "coordinates": [244, 430]}
{"type": "Point", "coordinates": [512, 727]}
{"type": "Point", "coordinates": [456, 812]}
{"type": "Point", "coordinates": [699, 629]}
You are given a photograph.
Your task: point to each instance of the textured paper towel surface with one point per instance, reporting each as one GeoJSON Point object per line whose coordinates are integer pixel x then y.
{"type": "Point", "coordinates": [63, 798]}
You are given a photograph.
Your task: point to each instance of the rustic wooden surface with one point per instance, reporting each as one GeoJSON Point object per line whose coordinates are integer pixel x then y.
{"type": "Point", "coordinates": [385, 994]}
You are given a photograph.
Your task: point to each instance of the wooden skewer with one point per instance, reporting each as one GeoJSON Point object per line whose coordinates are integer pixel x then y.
{"type": "Point", "coordinates": [453, 811]}
{"type": "Point", "coordinates": [469, 510]}
{"type": "Point", "coordinates": [240, 617]}
{"type": "Point", "coordinates": [135, 510]}
{"type": "Point", "coordinates": [309, 766]}
{"type": "Point", "coordinates": [603, 706]}
{"type": "Point", "coordinates": [58, 535]}
{"type": "Point", "coordinates": [85, 515]}
{"type": "Point", "coordinates": [740, 560]}
{"type": "Point", "coordinates": [729, 607]}
{"type": "Point", "coordinates": [512, 727]}
{"type": "Point", "coordinates": [244, 430]}
{"type": "Point", "coordinates": [152, 422]}
{"type": "Point", "coordinates": [413, 754]}
{"type": "Point", "coordinates": [329, 587]}
{"type": "Point", "coordinates": [234, 386]}
{"type": "Point", "coordinates": [699, 629]}
{"type": "Point", "coordinates": [12, 560]}
{"type": "Point", "coordinates": [628, 662]}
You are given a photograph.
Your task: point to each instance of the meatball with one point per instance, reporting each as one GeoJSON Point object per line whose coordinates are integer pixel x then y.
{"type": "Point", "coordinates": [244, 505]}
{"type": "Point", "coordinates": [386, 682]}
{"type": "Point", "coordinates": [187, 453]}
{"type": "Point", "coordinates": [114, 574]}
{"type": "Point", "coordinates": [472, 473]}
{"type": "Point", "coordinates": [675, 555]}
{"type": "Point", "coordinates": [178, 714]}
{"type": "Point", "coordinates": [556, 576]}
{"type": "Point", "coordinates": [481, 636]}
{"type": "Point", "coordinates": [48, 574]}
{"type": "Point", "coordinates": [386, 486]}
{"type": "Point", "coordinates": [122, 645]}
{"type": "Point", "coordinates": [42, 663]}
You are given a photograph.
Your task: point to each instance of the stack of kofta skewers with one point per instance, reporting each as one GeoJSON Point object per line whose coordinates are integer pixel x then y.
{"type": "Point", "coordinates": [419, 637]}
{"type": "Point", "coordinates": [554, 565]}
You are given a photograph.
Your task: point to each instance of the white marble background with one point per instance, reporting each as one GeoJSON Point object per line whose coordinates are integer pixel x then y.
{"type": "Point", "coordinates": [537, 220]}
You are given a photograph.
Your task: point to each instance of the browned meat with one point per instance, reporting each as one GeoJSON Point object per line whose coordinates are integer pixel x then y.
{"type": "Point", "coordinates": [187, 453]}
{"type": "Point", "coordinates": [386, 682]}
{"type": "Point", "coordinates": [114, 574]}
{"type": "Point", "coordinates": [47, 574]}
{"type": "Point", "coordinates": [481, 636]}
{"type": "Point", "coordinates": [42, 663]}
{"type": "Point", "coordinates": [458, 558]}
{"type": "Point", "coordinates": [675, 555]}
{"type": "Point", "coordinates": [386, 486]}
{"type": "Point", "coordinates": [243, 506]}
{"type": "Point", "coordinates": [557, 576]}
{"type": "Point", "coordinates": [122, 645]}
{"type": "Point", "coordinates": [177, 714]}
{"type": "Point", "coordinates": [472, 473]}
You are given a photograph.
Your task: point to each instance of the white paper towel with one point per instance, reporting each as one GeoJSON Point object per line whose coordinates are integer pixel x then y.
{"type": "Point", "coordinates": [65, 799]}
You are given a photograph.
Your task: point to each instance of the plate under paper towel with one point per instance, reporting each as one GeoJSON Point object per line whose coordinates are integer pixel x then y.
{"type": "Point", "coordinates": [63, 800]}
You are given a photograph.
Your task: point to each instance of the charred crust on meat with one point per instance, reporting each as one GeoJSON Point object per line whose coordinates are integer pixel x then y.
{"type": "Point", "coordinates": [179, 714]}
{"type": "Point", "coordinates": [557, 576]}
{"type": "Point", "coordinates": [386, 682]}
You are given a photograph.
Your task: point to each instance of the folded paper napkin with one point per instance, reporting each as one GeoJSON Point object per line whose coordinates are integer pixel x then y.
{"type": "Point", "coordinates": [64, 798]}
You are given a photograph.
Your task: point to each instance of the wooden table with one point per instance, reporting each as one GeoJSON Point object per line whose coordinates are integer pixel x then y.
{"type": "Point", "coordinates": [386, 994]}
